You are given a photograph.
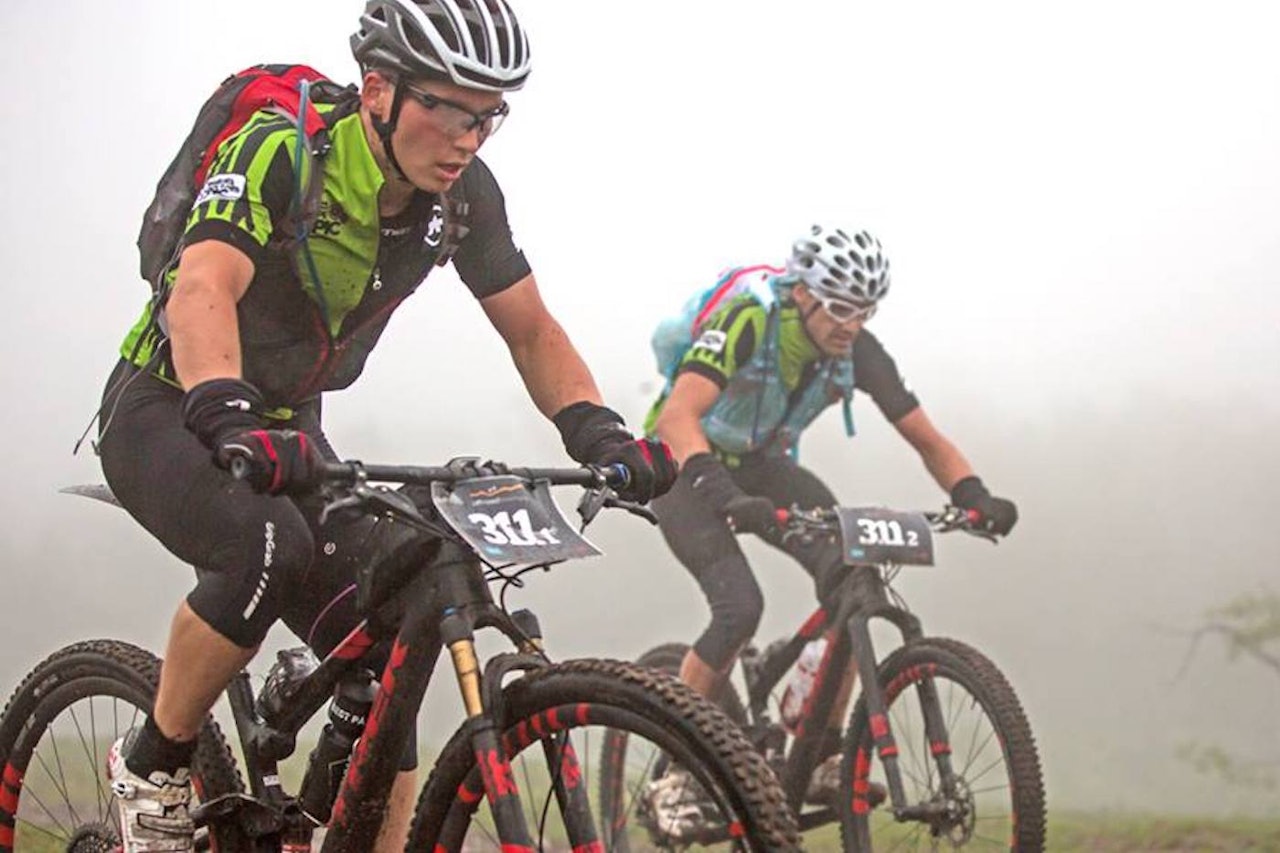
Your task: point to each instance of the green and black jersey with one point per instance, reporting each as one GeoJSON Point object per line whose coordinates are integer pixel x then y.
{"type": "Point", "coordinates": [731, 337]}
{"type": "Point", "coordinates": [301, 332]}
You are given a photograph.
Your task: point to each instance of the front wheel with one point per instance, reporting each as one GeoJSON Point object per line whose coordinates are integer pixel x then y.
{"type": "Point", "coordinates": [993, 797]}
{"type": "Point", "coordinates": [572, 709]}
{"type": "Point", "coordinates": [54, 737]}
{"type": "Point", "coordinates": [668, 658]}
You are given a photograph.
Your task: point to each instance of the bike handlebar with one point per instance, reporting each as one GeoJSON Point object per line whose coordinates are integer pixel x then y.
{"type": "Point", "coordinates": [614, 476]}
{"type": "Point", "coordinates": [944, 521]}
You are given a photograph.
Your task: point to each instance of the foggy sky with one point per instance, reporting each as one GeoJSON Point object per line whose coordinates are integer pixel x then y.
{"type": "Point", "coordinates": [1080, 205]}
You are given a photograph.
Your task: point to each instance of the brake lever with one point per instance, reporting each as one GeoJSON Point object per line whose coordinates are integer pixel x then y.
{"type": "Point", "coordinates": [395, 502]}
{"type": "Point", "coordinates": [955, 518]}
{"type": "Point", "coordinates": [590, 504]}
{"type": "Point", "coordinates": [633, 508]}
{"type": "Point", "coordinates": [349, 498]}
{"type": "Point", "coordinates": [377, 500]}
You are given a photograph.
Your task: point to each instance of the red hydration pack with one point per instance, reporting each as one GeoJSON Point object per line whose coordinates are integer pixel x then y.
{"type": "Point", "coordinates": [262, 87]}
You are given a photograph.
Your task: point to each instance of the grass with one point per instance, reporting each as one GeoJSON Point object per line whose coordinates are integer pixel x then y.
{"type": "Point", "coordinates": [1113, 833]}
{"type": "Point", "coordinates": [1123, 832]}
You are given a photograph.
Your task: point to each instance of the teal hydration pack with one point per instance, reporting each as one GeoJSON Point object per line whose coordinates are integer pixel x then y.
{"type": "Point", "coordinates": [675, 334]}
{"type": "Point", "coordinates": [758, 412]}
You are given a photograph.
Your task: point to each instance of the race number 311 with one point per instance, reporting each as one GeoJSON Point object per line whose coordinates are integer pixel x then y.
{"type": "Point", "coordinates": [511, 528]}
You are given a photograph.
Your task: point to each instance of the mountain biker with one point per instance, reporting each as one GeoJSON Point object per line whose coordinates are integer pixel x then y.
{"type": "Point", "coordinates": [755, 377]}
{"type": "Point", "coordinates": [234, 365]}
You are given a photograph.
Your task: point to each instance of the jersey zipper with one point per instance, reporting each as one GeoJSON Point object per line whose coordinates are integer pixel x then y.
{"type": "Point", "coordinates": [335, 348]}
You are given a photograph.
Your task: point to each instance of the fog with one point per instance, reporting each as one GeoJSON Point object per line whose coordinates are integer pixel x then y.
{"type": "Point", "coordinates": [1080, 204]}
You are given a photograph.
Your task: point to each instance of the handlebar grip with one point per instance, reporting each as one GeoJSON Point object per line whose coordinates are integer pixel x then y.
{"type": "Point", "coordinates": [617, 475]}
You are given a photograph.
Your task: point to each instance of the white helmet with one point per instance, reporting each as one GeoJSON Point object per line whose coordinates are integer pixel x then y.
{"type": "Point", "coordinates": [477, 44]}
{"type": "Point", "coordinates": [831, 263]}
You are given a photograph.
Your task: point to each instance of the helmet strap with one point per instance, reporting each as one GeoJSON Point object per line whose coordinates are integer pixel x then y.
{"type": "Point", "coordinates": [384, 129]}
{"type": "Point", "coordinates": [806, 313]}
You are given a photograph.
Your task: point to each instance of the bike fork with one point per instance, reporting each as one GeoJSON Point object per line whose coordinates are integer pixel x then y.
{"type": "Point", "coordinates": [495, 767]}
{"type": "Point", "coordinates": [878, 720]}
{"type": "Point", "coordinates": [882, 734]}
{"type": "Point", "coordinates": [566, 772]}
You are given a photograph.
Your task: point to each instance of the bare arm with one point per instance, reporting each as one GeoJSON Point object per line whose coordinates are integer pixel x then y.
{"type": "Point", "coordinates": [553, 371]}
{"type": "Point", "coordinates": [680, 422]}
{"type": "Point", "coordinates": [203, 330]}
{"type": "Point", "coordinates": [942, 458]}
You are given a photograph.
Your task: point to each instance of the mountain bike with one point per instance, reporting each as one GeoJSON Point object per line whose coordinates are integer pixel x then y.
{"type": "Point", "coordinates": [936, 725]}
{"type": "Point", "coordinates": [531, 724]}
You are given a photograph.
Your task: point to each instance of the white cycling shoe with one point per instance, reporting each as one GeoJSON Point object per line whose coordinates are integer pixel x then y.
{"type": "Point", "coordinates": [154, 816]}
{"type": "Point", "coordinates": [678, 804]}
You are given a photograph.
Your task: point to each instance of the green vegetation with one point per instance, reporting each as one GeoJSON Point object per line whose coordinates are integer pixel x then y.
{"type": "Point", "coordinates": [1113, 833]}
{"type": "Point", "coordinates": [1144, 832]}
{"type": "Point", "coordinates": [1249, 626]}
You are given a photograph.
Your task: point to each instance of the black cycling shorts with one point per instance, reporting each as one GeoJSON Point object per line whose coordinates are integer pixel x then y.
{"type": "Point", "coordinates": [254, 554]}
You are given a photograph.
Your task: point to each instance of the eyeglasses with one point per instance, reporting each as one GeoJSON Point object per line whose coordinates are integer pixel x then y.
{"type": "Point", "coordinates": [843, 311]}
{"type": "Point", "coordinates": [456, 120]}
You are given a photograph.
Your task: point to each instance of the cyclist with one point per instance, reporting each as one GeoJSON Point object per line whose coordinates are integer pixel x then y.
{"type": "Point", "coordinates": [234, 366]}
{"type": "Point", "coordinates": [761, 370]}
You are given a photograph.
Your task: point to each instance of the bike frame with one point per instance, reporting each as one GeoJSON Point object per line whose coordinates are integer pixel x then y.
{"type": "Point", "coordinates": [443, 602]}
{"type": "Point", "coordinates": [851, 611]}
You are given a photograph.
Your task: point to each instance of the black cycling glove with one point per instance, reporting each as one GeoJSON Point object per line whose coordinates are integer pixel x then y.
{"type": "Point", "coordinates": [276, 460]}
{"type": "Point", "coordinates": [596, 435]}
{"type": "Point", "coordinates": [221, 407]}
{"type": "Point", "coordinates": [225, 414]}
{"type": "Point", "coordinates": [995, 515]}
{"type": "Point", "coordinates": [745, 513]}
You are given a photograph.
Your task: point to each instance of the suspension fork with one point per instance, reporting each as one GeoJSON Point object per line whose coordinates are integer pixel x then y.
{"type": "Point", "coordinates": [495, 768]}
{"type": "Point", "coordinates": [935, 724]}
{"type": "Point", "coordinates": [935, 727]}
{"type": "Point", "coordinates": [482, 699]}
{"type": "Point", "coordinates": [877, 711]}
{"type": "Point", "coordinates": [562, 760]}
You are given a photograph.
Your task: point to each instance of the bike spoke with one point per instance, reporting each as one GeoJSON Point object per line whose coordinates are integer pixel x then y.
{"type": "Point", "coordinates": [983, 819]}
{"type": "Point", "coordinates": [90, 748]}
{"type": "Point", "coordinates": [62, 831]}
{"type": "Point", "coordinates": [56, 780]}
{"type": "Point", "coordinates": [635, 787]}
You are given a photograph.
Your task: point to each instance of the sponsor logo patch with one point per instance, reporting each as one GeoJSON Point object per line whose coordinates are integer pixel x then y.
{"type": "Point", "coordinates": [222, 188]}
{"type": "Point", "coordinates": [435, 227]}
{"type": "Point", "coordinates": [712, 340]}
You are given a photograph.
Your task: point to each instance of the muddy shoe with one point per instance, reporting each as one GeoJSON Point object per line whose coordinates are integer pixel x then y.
{"type": "Point", "coordinates": [153, 811]}
{"type": "Point", "coordinates": [678, 804]}
{"type": "Point", "coordinates": [824, 786]}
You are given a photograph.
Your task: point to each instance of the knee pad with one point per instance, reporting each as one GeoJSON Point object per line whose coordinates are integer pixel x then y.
{"type": "Point", "coordinates": [240, 592]}
{"type": "Point", "coordinates": [737, 605]}
{"type": "Point", "coordinates": [739, 617]}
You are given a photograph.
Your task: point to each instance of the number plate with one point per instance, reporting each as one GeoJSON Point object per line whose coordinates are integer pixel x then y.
{"type": "Point", "coordinates": [874, 535]}
{"type": "Point", "coordinates": [510, 522]}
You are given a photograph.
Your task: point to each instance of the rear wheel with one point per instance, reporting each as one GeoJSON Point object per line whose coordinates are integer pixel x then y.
{"type": "Point", "coordinates": [656, 719]}
{"type": "Point", "coordinates": [54, 737]}
{"type": "Point", "coordinates": [995, 798]}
